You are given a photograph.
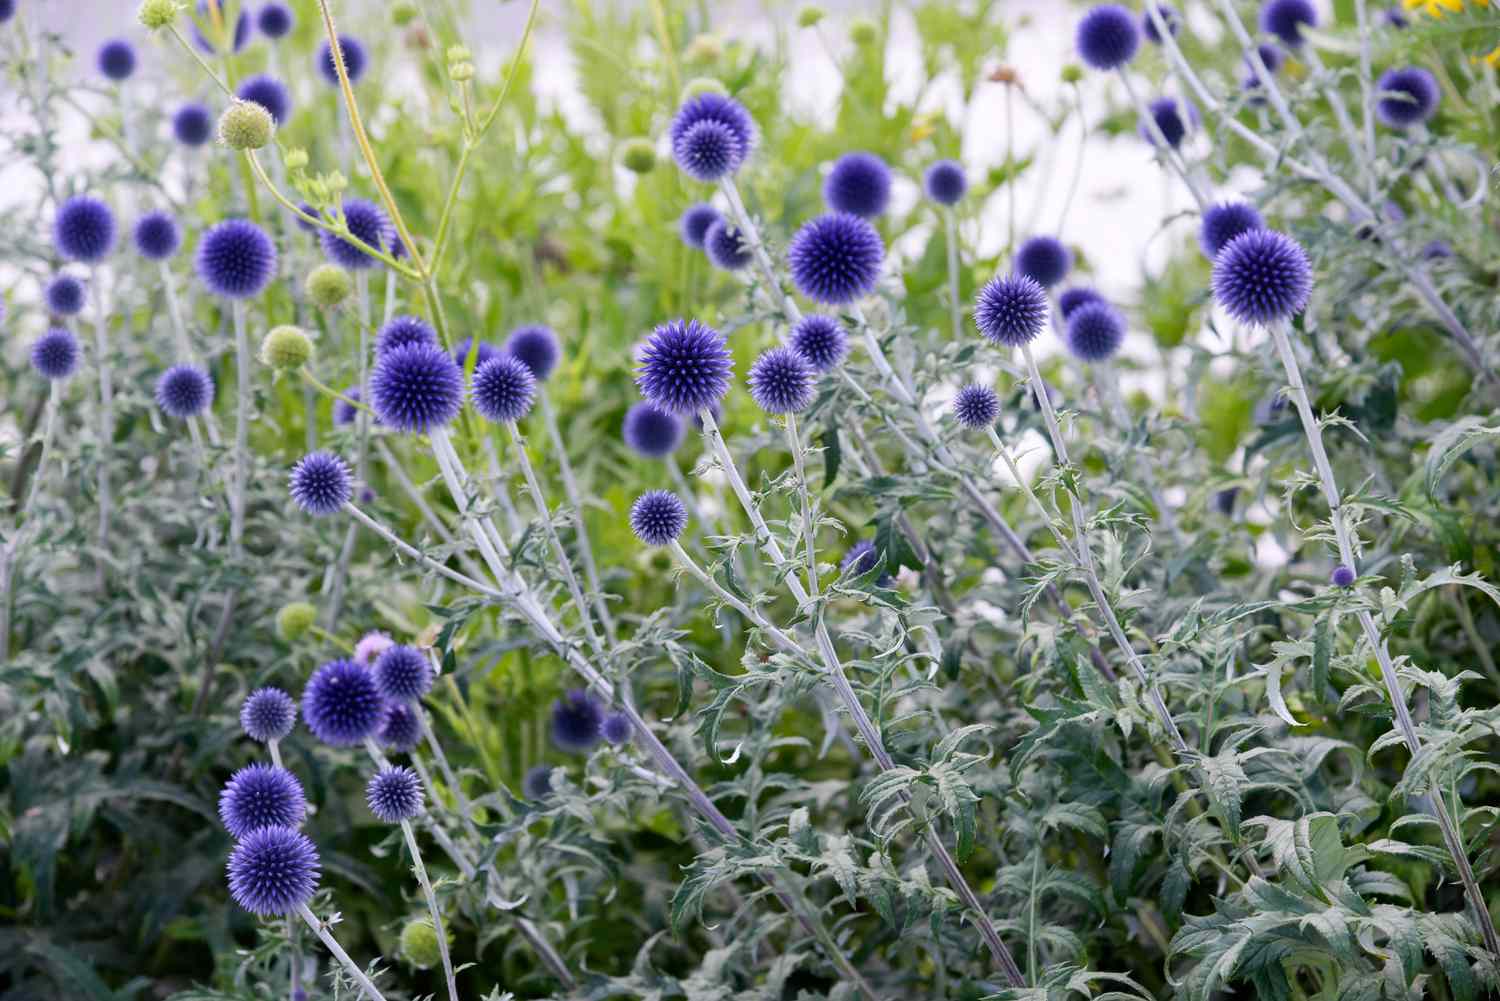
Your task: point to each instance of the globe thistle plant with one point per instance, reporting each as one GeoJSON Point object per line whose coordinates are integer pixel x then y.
{"type": "Point", "coordinates": [341, 704]}
{"type": "Point", "coordinates": [781, 382]}
{"type": "Point", "coordinates": [259, 796]}
{"type": "Point", "coordinates": [536, 347]}
{"type": "Point", "coordinates": [835, 259]}
{"type": "Point", "coordinates": [236, 259]}
{"type": "Point", "coordinates": [1225, 221]}
{"type": "Point", "coordinates": [976, 407]}
{"type": "Point", "coordinates": [1107, 37]}
{"type": "Point", "coordinates": [1408, 97]}
{"type": "Point", "coordinates": [84, 229]}
{"type": "Point", "coordinates": [711, 136]}
{"type": "Point", "coordinates": [1011, 310]}
{"type": "Point", "coordinates": [1262, 277]}
{"type": "Point", "coordinates": [370, 646]}
{"type": "Point", "coordinates": [394, 794]}
{"type": "Point", "coordinates": [64, 296]}
{"type": "Point", "coordinates": [246, 125]}
{"type": "Point", "coordinates": [658, 517]}
{"type": "Point", "coordinates": [157, 236]}
{"type": "Point", "coordinates": [329, 286]}
{"type": "Point", "coordinates": [275, 20]}
{"type": "Point", "coordinates": [694, 224]}
{"type": "Point", "coordinates": [503, 390]}
{"type": "Point", "coordinates": [820, 340]}
{"type": "Point", "coordinates": [726, 247]}
{"type": "Point", "coordinates": [1095, 332]}
{"type": "Point", "coordinates": [1286, 18]}
{"type": "Point", "coordinates": [859, 183]}
{"type": "Point", "coordinates": [367, 223]}
{"type": "Point", "coordinates": [54, 355]}
{"type": "Point", "coordinates": [355, 60]}
{"type": "Point", "coordinates": [616, 729]}
{"type": "Point", "coordinates": [537, 783]}
{"type": "Point", "coordinates": [1045, 259]}
{"type": "Point", "coordinates": [576, 718]}
{"type": "Point", "coordinates": [184, 391]}
{"type": "Point", "coordinates": [1343, 576]}
{"type": "Point", "coordinates": [400, 727]}
{"type": "Point", "coordinates": [116, 60]}
{"type": "Point", "coordinates": [1174, 117]}
{"type": "Point", "coordinates": [321, 483]}
{"type": "Point", "coordinates": [1071, 298]}
{"type": "Point", "coordinates": [400, 331]}
{"type": "Point", "coordinates": [193, 124]}
{"type": "Point", "coordinates": [1169, 17]}
{"type": "Point", "coordinates": [685, 367]}
{"type": "Point", "coordinates": [345, 408]}
{"type": "Point", "coordinates": [286, 348]}
{"type": "Point", "coordinates": [417, 388]}
{"type": "Point", "coordinates": [651, 431]}
{"type": "Point", "coordinates": [402, 673]}
{"type": "Point", "coordinates": [863, 558]}
{"type": "Point", "coordinates": [945, 182]}
{"type": "Point", "coordinates": [273, 871]}
{"type": "Point", "coordinates": [270, 93]}
{"type": "Point", "coordinates": [268, 714]}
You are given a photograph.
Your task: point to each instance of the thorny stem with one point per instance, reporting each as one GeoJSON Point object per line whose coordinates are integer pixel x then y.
{"type": "Point", "coordinates": [1164, 149]}
{"type": "Point", "coordinates": [575, 501]}
{"type": "Point", "coordinates": [1340, 112]}
{"type": "Point", "coordinates": [320, 930]}
{"type": "Point", "coordinates": [955, 304]}
{"type": "Point", "coordinates": [432, 907]}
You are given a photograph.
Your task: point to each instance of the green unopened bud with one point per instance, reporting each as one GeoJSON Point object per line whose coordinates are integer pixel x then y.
{"type": "Point", "coordinates": [335, 182]}
{"type": "Point", "coordinates": [286, 349]}
{"type": "Point", "coordinates": [459, 54]}
{"type": "Point", "coordinates": [328, 285]}
{"type": "Point", "coordinates": [295, 619]}
{"type": "Point", "coordinates": [157, 14]}
{"type": "Point", "coordinates": [810, 16]}
{"type": "Point", "coordinates": [1072, 73]}
{"type": "Point", "coordinates": [700, 85]}
{"type": "Point", "coordinates": [863, 31]}
{"type": "Point", "coordinates": [461, 72]}
{"type": "Point", "coordinates": [295, 159]}
{"type": "Point", "coordinates": [639, 155]}
{"type": "Point", "coordinates": [403, 12]}
{"type": "Point", "coordinates": [246, 125]}
{"type": "Point", "coordinates": [419, 943]}
{"type": "Point", "coordinates": [704, 49]}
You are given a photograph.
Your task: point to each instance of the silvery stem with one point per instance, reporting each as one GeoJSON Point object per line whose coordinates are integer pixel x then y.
{"type": "Point", "coordinates": [955, 305]}
{"type": "Point", "coordinates": [106, 418]}
{"type": "Point", "coordinates": [501, 491]}
{"type": "Point", "coordinates": [412, 551]}
{"type": "Point", "coordinates": [241, 429]}
{"type": "Point", "coordinates": [751, 235]}
{"type": "Point", "coordinates": [338, 952]}
{"type": "Point", "coordinates": [809, 526]}
{"type": "Point", "coordinates": [575, 500]}
{"type": "Point", "coordinates": [1366, 95]}
{"type": "Point", "coordinates": [432, 907]}
{"type": "Point", "coordinates": [1340, 111]}
{"type": "Point", "coordinates": [1025, 487]}
{"type": "Point", "coordinates": [1168, 152]}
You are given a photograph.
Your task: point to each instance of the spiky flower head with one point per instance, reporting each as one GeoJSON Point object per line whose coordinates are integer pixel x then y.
{"type": "Point", "coordinates": [859, 183]}
{"type": "Point", "coordinates": [1395, 17]}
{"type": "Point", "coordinates": [1408, 97]}
{"type": "Point", "coordinates": [1011, 310]}
{"type": "Point", "coordinates": [638, 155]}
{"type": "Point", "coordinates": [685, 367]}
{"type": "Point", "coordinates": [157, 236]}
{"type": "Point", "coordinates": [616, 729]}
{"type": "Point", "coordinates": [273, 871]}
{"type": "Point", "coordinates": [54, 355]}
{"type": "Point", "coordinates": [861, 559]}
{"type": "Point", "coordinates": [820, 340]}
{"type": "Point", "coordinates": [575, 721]}
{"type": "Point", "coordinates": [268, 714]}
{"type": "Point", "coordinates": [270, 93]}
{"type": "Point", "coordinates": [1435, 250]}
{"type": "Point", "coordinates": [536, 347]}
{"type": "Point", "coordinates": [156, 14]}
{"type": "Point", "coordinates": [651, 431]}
{"type": "Point", "coordinates": [695, 222]}
{"type": "Point", "coordinates": [116, 59]}
{"type": "Point", "coordinates": [193, 124]}
{"type": "Point", "coordinates": [1343, 575]}
{"type": "Point", "coordinates": [1107, 37]}
{"type": "Point", "coordinates": [1286, 18]}
{"type": "Point", "coordinates": [329, 286]}
{"type": "Point", "coordinates": [945, 182]}
{"type": "Point", "coordinates": [976, 407]}
{"type": "Point", "coordinates": [1271, 57]}
{"type": "Point", "coordinates": [366, 223]}
{"type": "Point", "coordinates": [184, 391]}
{"type": "Point", "coordinates": [1071, 298]}
{"type": "Point", "coordinates": [419, 943]}
{"type": "Point", "coordinates": [726, 246]}
{"type": "Point", "coordinates": [294, 619]}
{"type": "Point", "coordinates": [258, 796]}
{"type": "Point", "coordinates": [1262, 277]}
{"type": "Point", "coordinates": [1095, 331]}
{"type": "Point", "coordinates": [370, 646]}
{"type": "Point", "coordinates": [503, 390]}
{"type": "Point", "coordinates": [345, 407]}
{"type": "Point", "coordinates": [236, 259]}
{"type": "Point", "coordinates": [835, 259]}
{"type": "Point", "coordinates": [1169, 17]}
{"type": "Point", "coordinates": [416, 388]}
{"type": "Point", "coordinates": [781, 382]}
{"type": "Point", "coordinates": [711, 136]}
{"type": "Point", "coordinates": [321, 483]}
{"type": "Point", "coordinates": [275, 20]}
{"type": "Point", "coordinates": [402, 330]}
{"type": "Point", "coordinates": [64, 295]}
{"type": "Point", "coordinates": [657, 517]}
{"type": "Point", "coordinates": [84, 229]}
{"type": "Point", "coordinates": [1044, 258]}
{"type": "Point", "coordinates": [1225, 221]}
{"type": "Point", "coordinates": [394, 794]}
{"type": "Point", "coordinates": [355, 60]}
{"type": "Point", "coordinates": [537, 783]}
{"type": "Point", "coordinates": [400, 727]}
{"type": "Point", "coordinates": [246, 125]}
{"type": "Point", "coordinates": [286, 348]}
{"type": "Point", "coordinates": [1174, 118]}
{"type": "Point", "coordinates": [341, 704]}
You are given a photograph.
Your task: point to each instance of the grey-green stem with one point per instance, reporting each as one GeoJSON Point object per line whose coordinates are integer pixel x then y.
{"type": "Point", "coordinates": [331, 943]}
{"type": "Point", "coordinates": [432, 908]}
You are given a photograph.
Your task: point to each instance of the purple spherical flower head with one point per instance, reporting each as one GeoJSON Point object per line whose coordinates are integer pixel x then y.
{"type": "Point", "coordinates": [1343, 575]}
{"type": "Point", "coordinates": [344, 410]}
{"type": "Point", "coordinates": [236, 259]}
{"type": "Point", "coordinates": [354, 59]}
{"type": "Point", "coordinates": [1095, 331]}
{"type": "Point", "coordinates": [503, 389]}
{"type": "Point", "coordinates": [1011, 310]}
{"type": "Point", "coordinates": [1169, 17]}
{"type": "Point", "coordinates": [945, 182]}
{"type": "Point", "coordinates": [64, 295]}
{"type": "Point", "coordinates": [685, 367]}
{"type": "Point", "coordinates": [781, 382]}
{"type": "Point", "coordinates": [117, 59]}
{"type": "Point", "coordinates": [1262, 277]}
{"type": "Point", "coordinates": [400, 331]}
{"type": "Point", "coordinates": [416, 388]}
{"type": "Point", "coordinates": [193, 125]}
{"type": "Point", "coordinates": [651, 431]}
{"type": "Point", "coordinates": [820, 340]}
{"type": "Point", "coordinates": [862, 558]}
{"type": "Point", "coordinates": [1395, 17]}
{"type": "Point", "coordinates": [321, 483]}
{"type": "Point", "coordinates": [726, 247]}
{"type": "Point", "coordinates": [157, 236]}
{"type": "Point", "coordinates": [402, 673]}
{"type": "Point", "coordinates": [370, 646]}
{"type": "Point", "coordinates": [616, 729]}
{"type": "Point", "coordinates": [1271, 57]}
{"type": "Point", "coordinates": [259, 796]}
{"type": "Point", "coordinates": [1225, 221]}
{"type": "Point", "coordinates": [394, 794]}
{"type": "Point", "coordinates": [366, 222]}
{"type": "Point", "coordinates": [400, 727]}
{"type": "Point", "coordinates": [1045, 259]}
{"type": "Point", "coordinates": [575, 721]}
{"type": "Point", "coordinates": [657, 517]}
{"type": "Point", "coordinates": [268, 92]}
{"type": "Point", "coordinates": [184, 391]}
{"type": "Point", "coordinates": [273, 871]}
{"type": "Point", "coordinates": [1436, 250]}
{"type": "Point", "coordinates": [1286, 18]}
{"type": "Point", "coordinates": [268, 714]}
{"type": "Point", "coordinates": [1071, 298]}
{"type": "Point", "coordinates": [1107, 37]}
{"type": "Point", "coordinates": [711, 136]}
{"type": "Point", "coordinates": [307, 210]}
{"type": "Point", "coordinates": [484, 353]}
{"type": "Point", "coordinates": [976, 407]}
{"type": "Point", "coordinates": [1173, 116]}
{"type": "Point", "coordinates": [538, 782]}
{"type": "Point", "coordinates": [694, 224]}
{"type": "Point", "coordinates": [859, 183]}
{"type": "Point", "coordinates": [341, 704]}
{"type": "Point", "coordinates": [84, 229]}
{"type": "Point", "coordinates": [536, 347]}
{"type": "Point", "coordinates": [275, 20]}
{"type": "Point", "coordinates": [7, 10]}
{"type": "Point", "coordinates": [54, 355]}
{"type": "Point", "coordinates": [835, 259]}
{"type": "Point", "coordinates": [241, 27]}
{"type": "Point", "coordinates": [1408, 97]}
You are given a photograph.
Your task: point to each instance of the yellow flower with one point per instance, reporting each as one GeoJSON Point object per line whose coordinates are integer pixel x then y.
{"type": "Point", "coordinates": [1434, 8]}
